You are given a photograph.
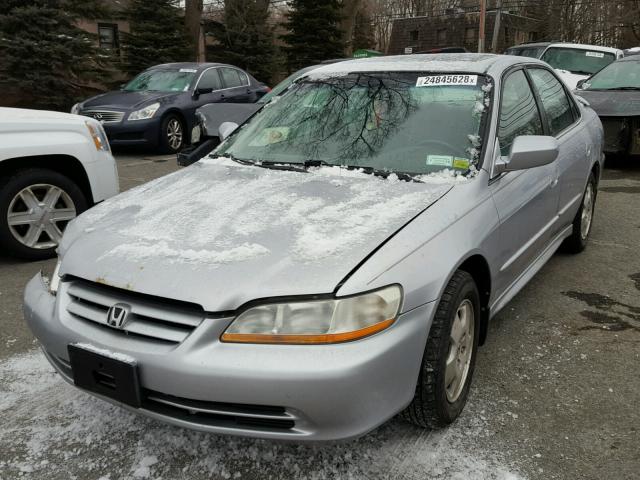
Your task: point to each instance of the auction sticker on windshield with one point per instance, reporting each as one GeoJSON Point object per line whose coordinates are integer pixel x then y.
{"type": "Point", "coordinates": [595, 54]}
{"type": "Point", "coordinates": [440, 160]}
{"type": "Point", "coordinates": [446, 80]}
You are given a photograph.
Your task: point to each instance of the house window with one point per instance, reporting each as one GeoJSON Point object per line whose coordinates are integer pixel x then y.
{"type": "Point", "coordinates": [108, 36]}
{"type": "Point", "coordinates": [413, 35]}
{"type": "Point", "coordinates": [470, 36]}
{"type": "Point", "coordinates": [442, 36]}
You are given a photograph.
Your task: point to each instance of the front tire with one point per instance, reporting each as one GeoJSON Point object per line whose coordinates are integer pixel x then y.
{"type": "Point", "coordinates": [583, 220]}
{"type": "Point", "coordinates": [449, 357]}
{"type": "Point", "coordinates": [172, 134]}
{"type": "Point", "coordinates": [35, 207]}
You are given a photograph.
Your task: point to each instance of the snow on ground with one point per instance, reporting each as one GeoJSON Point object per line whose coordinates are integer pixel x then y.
{"type": "Point", "coordinates": [51, 430]}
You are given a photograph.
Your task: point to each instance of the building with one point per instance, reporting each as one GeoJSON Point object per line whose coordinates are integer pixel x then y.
{"type": "Point", "coordinates": [459, 28]}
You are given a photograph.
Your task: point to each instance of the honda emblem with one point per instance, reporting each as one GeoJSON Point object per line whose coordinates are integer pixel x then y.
{"type": "Point", "coordinates": [117, 315]}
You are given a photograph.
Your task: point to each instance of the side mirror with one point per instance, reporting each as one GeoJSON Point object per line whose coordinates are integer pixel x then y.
{"type": "Point", "coordinates": [225, 129]}
{"type": "Point", "coordinates": [202, 91]}
{"type": "Point", "coordinates": [529, 151]}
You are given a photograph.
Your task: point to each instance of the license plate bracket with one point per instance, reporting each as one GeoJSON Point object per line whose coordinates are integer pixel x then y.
{"type": "Point", "coordinates": [106, 376]}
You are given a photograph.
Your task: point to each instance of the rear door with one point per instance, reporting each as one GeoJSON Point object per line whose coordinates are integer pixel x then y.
{"type": "Point", "coordinates": [562, 117]}
{"type": "Point", "coordinates": [236, 86]}
{"type": "Point", "coordinates": [526, 200]}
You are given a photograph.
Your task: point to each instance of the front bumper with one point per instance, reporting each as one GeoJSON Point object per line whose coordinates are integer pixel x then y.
{"type": "Point", "coordinates": [293, 392]}
{"type": "Point", "coordinates": [134, 133]}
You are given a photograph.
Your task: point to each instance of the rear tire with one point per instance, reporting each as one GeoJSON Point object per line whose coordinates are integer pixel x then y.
{"type": "Point", "coordinates": [440, 397]}
{"type": "Point", "coordinates": [36, 205]}
{"type": "Point", "coordinates": [172, 134]}
{"type": "Point", "coordinates": [583, 220]}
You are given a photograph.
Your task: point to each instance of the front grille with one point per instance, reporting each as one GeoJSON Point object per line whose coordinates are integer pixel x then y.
{"type": "Point", "coordinates": [104, 116]}
{"type": "Point", "coordinates": [218, 414]}
{"type": "Point", "coordinates": [150, 318]}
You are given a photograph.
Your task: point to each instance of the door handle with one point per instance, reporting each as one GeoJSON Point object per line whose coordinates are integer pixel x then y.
{"type": "Point", "coordinates": [554, 182]}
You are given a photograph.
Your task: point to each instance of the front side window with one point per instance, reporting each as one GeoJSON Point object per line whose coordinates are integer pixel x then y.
{"type": "Point", "coordinates": [617, 76]}
{"type": "Point", "coordinates": [519, 113]}
{"type": "Point", "coordinates": [162, 80]}
{"type": "Point", "coordinates": [232, 78]}
{"type": "Point", "coordinates": [578, 61]}
{"type": "Point", "coordinates": [210, 79]}
{"type": "Point", "coordinates": [557, 106]}
{"type": "Point", "coordinates": [416, 123]}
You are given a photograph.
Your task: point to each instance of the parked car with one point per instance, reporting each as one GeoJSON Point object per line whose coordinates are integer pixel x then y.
{"type": "Point", "coordinates": [53, 166]}
{"type": "Point", "coordinates": [614, 93]}
{"type": "Point", "coordinates": [532, 49]}
{"type": "Point", "coordinates": [209, 117]}
{"type": "Point", "coordinates": [339, 259]}
{"type": "Point", "coordinates": [157, 108]}
{"type": "Point", "coordinates": [573, 61]}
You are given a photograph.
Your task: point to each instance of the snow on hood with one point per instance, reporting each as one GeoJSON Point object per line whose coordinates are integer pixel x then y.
{"type": "Point", "coordinates": [220, 234]}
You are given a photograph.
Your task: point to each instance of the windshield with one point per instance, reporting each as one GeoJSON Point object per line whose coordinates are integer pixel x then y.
{"type": "Point", "coordinates": [615, 76]}
{"type": "Point", "coordinates": [581, 62]}
{"type": "Point", "coordinates": [162, 80]}
{"type": "Point", "coordinates": [413, 123]}
{"type": "Point", "coordinates": [284, 84]}
{"type": "Point", "coordinates": [532, 52]}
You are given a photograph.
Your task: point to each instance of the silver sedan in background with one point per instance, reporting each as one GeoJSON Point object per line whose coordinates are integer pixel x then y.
{"type": "Point", "coordinates": [336, 260]}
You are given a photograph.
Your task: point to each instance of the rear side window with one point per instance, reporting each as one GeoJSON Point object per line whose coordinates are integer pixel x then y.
{"type": "Point", "coordinates": [555, 102]}
{"type": "Point", "coordinates": [519, 113]}
{"type": "Point", "coordinates": [210, 79]}
{"type": "Point", "coordinates": [233, 78]}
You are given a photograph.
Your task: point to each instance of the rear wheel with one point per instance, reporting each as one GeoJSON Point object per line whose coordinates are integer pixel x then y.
{"type": "Point", "coordinates": [35, 207]}
{"type": "Point", "coordinates": [171, 134]}
{"type": "Point", "coordinates": [583, 220]}
{"type": "Point", "coordinates": [449, 357]}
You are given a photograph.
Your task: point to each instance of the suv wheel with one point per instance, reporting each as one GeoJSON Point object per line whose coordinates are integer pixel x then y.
{"type": "Point", "coordinates": [35, 207]}
{"type": "Point", "coordinates": [449, 357]}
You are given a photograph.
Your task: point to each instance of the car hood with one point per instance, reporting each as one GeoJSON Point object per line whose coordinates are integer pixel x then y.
{"type": "Point", "coordinates": [612, 103]}
{"type": "Point", "coordinates": [122, 99]}
{"type": "Point", "coordinates": [220, 234]}
{"type": "Point", "coordinates": [570, 79]}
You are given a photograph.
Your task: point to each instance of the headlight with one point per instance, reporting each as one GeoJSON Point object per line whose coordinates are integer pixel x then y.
{"type": "Point", "coordinates": [75, 109]}
{"type": "Point", "coordinates": [145, 113]}
{"type": "Point", "coordinates": [54, 281]}
{"type": "Point", "coordinates": [99, 137]}
{"type": "Point", "coordinates": [317, 321]}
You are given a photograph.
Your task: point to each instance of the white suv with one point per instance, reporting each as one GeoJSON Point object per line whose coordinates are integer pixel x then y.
{"type": "Point", "coordinates": [53, 166]}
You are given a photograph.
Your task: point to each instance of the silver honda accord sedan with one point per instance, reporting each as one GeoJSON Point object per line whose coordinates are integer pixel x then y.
{"type": "Point", "coordinates": [336, 260]}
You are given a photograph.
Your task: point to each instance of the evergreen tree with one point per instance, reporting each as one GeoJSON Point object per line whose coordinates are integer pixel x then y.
{"type": "Point", "coordinates": [314, 32]}
{"type": "Point", "coordinates": [363, 35]}
{"type": "Point", "coordinates": [157, 35]}
{"type": "Point", "coordinates": [46, 61]}
{"type": "Point", "coordinates": [245, 39]}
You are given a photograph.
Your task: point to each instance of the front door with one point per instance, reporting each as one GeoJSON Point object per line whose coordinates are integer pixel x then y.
{"type": "Point", "coordinates": [526, 200]}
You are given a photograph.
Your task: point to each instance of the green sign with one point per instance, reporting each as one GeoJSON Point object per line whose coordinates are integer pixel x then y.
{"type": "Point", "coordinates": [364, 53]}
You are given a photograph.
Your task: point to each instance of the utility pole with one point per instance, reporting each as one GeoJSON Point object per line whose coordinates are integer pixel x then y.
{"type": "Point", "coordinates": [496, 27]}
{"type": "Point", "coordinates": [483, 20]}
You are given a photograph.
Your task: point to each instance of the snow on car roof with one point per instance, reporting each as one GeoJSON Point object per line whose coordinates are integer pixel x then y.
{"type": "Point", "coordinates": [444, 62]}
{"type": "Point", "coordinates": [582, 46]}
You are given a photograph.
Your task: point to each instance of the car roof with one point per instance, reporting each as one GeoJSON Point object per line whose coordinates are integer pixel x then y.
{"type": "Point", "coordinates": [582, 46]}
{"type": "Point", "coordinates": [192, 65]}
{"type": "Point", "coordinates": [630, 58]}
{"type": "Point", "coordinates": [442, 62]}
{"type": "Point", "coordinates": [532, 44]}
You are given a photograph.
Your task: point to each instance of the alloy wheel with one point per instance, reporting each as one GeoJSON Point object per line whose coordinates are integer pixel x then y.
{"type": "Point", "coordinates": [587, 211]}
{"type": "Point", "coordinates": [174, 134]}
{"type": "Point", "coordinates": [460, 350]}
{"type": "Point", "coordinates": [38, 214]}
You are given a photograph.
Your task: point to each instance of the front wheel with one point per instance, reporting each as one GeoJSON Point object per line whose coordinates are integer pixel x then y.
{"type": "Point", "coordinates": [583, 220]}
{"type": "Point", "coordinates": [171, 134]}
{"type": "Point", "coordinates": [35, 207]}
{"type": "Point", "coordinates": [449, 357]}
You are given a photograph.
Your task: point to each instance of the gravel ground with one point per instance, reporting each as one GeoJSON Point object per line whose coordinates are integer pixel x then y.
{"type": "Point", "coordinates": [554, 397]}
